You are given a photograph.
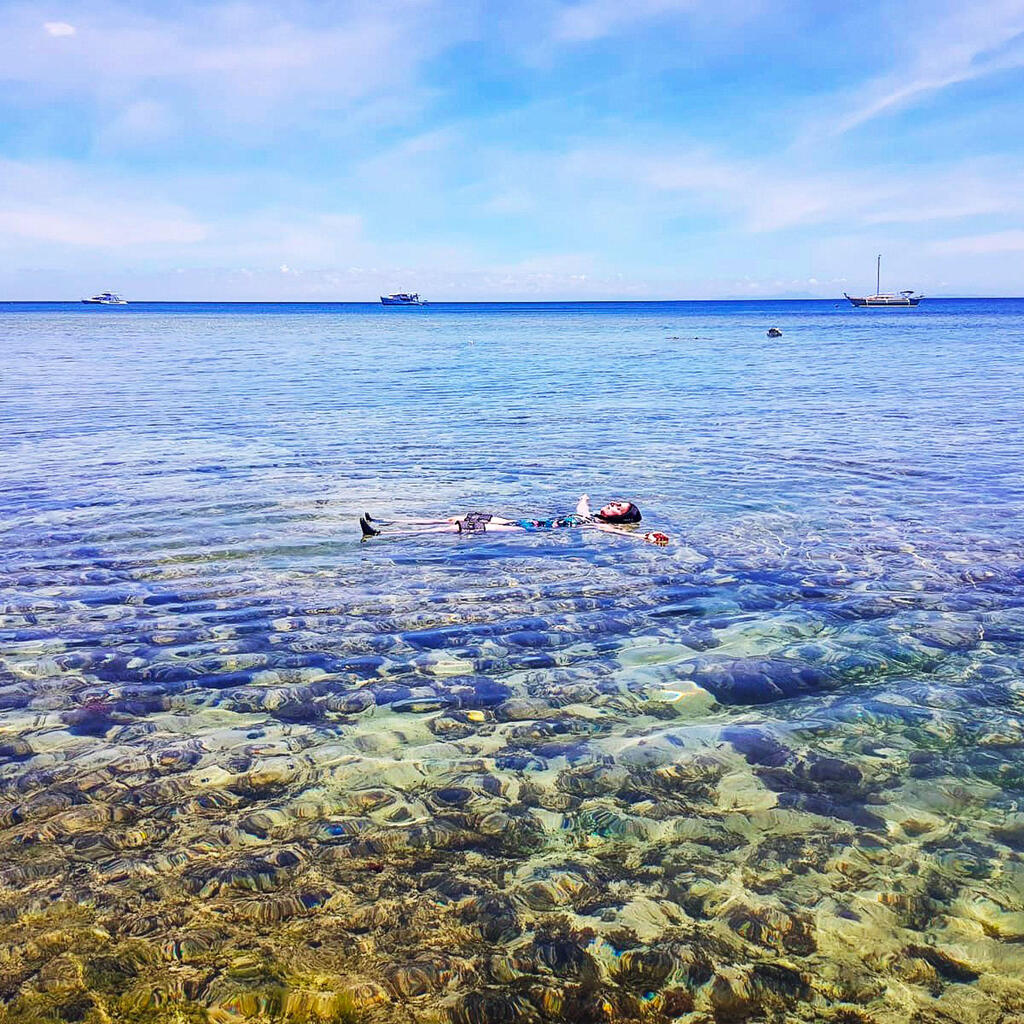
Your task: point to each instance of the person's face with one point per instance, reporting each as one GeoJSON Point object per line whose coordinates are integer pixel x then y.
{"type": "Point", "coordinates": [615, 508]}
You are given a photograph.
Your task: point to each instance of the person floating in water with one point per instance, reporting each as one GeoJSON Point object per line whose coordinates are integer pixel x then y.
{"type": "Point", "coordinates": [615, 517]}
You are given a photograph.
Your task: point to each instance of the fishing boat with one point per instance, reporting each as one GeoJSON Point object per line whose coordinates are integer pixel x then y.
{"type": "Point", "coordinates": [403, 299]}
{"type": "Point", "coordinates": [904, 298]}
{"type": "Point", "coordinates": [106, 299]}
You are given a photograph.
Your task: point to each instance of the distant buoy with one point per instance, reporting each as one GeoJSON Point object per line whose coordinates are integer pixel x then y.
{"type": "Point", "coordinates": [774, 332]}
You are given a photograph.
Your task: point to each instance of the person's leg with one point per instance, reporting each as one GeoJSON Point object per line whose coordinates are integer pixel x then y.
{"type": "Point", "coordinates": [406, 531]}
{"type": "Point", "coordinates": [407, 521]}
{"type": "Point", "coordinates": [403, 531]}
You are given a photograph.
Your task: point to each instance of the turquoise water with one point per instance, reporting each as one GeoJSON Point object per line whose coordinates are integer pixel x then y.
{"type": "Point", "coordinates": [253, 768]}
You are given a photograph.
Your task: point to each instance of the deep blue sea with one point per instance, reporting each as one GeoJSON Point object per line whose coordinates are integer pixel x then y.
{"type": "Point", "coordinates": [253, 767]}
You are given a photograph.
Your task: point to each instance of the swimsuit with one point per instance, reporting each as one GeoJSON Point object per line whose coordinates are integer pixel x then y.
{"type": "Point", "coordinates": [475, 522]}
{"type": "Point", "coordinates": [554, 523]}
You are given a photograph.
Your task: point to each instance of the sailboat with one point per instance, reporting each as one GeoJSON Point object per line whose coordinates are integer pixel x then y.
{"type": "Point", "coordinates": [904, 298]}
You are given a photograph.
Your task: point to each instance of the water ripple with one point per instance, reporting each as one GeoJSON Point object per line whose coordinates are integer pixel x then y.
{"type": "Point", "coordinates": [253, 767]}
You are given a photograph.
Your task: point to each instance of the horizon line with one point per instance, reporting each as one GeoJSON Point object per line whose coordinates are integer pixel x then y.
{"type": "Point", "coordinates": [485, 302]}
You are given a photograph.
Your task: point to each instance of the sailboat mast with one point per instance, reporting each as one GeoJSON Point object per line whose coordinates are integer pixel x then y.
{"type": "Point", "coordinates": [878, 276]}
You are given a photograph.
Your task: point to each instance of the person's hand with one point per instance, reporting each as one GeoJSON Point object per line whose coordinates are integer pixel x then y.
{"type": "Point", "coordinates": [656, 537]}
{"type": "Point", "coordinates": [583, 505]}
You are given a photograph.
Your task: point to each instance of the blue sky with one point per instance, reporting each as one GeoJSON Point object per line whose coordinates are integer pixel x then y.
{"type": "Point", "coordinates": [524, 150]}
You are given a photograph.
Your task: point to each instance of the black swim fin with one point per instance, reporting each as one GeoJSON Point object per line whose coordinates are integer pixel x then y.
{"type": "Point", "coordinates": [368, 530]}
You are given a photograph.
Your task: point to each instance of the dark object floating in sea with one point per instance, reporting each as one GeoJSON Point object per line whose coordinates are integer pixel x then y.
{"type": "Point", "coordinates": [774, 332]}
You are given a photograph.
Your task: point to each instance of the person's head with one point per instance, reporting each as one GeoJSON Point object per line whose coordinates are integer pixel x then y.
{"type": "Point", "coordinates": [619, 512]}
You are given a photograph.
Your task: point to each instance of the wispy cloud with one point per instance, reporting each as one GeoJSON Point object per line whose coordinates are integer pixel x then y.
{"type": "Point", "coordinates": [945, 46]}
{"type": "Point", "coordinates": [56, 204]}
{"type": "Point", "coordinates": [247, 61]}
{"type": "Point", "coordinates": [99, 226]}
{"type": "Point", "coordinates": [767, 197]}
{"type": "Point", "coordinates": [979, 245]}
{"type": "Point", "coordinates": [595, 19]}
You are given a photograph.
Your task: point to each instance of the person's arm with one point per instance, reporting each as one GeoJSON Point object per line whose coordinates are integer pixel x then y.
{"type": "Point", "coordinates": [651, 537]}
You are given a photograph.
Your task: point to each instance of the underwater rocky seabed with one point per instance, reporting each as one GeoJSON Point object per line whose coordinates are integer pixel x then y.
{"type": "Point", "coordinates": [710, 788]}
{"type": "Point", "coordinates": [254, 770]}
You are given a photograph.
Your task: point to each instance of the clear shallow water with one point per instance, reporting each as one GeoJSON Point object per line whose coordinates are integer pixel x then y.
{"type": "Point", "coordinates": [254, 766]}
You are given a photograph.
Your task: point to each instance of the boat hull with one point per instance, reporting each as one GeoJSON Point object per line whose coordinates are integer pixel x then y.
{"type": "Point", "coordinates": [876, 303]}
{"type": "Point", "coordinates": [103, 302]}
{"type": "Point", "coordinates": [392, 300]}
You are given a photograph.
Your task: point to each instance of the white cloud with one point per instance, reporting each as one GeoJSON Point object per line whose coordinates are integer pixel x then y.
{"type": "Point", "coordinates": [98, 226]}
{"type": "Point", "coordinates": [773, 195]}
{"type": "Point", "coordinates": [979, 245]}
{"type": "Point", "coordinates": [231, 61]}
{"type": "Point", "coordinates": [55, 204]}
